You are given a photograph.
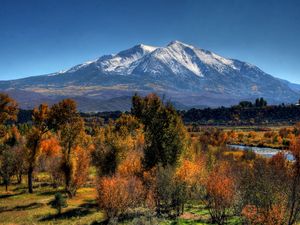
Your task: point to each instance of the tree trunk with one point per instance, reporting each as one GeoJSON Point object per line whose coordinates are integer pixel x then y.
{"type": "Point", "coordinates": [68, 180]}
{"type": "Point", "coordinates": [6, 186]}
{"type": "Point", "coordinates": [30, 172]}
{"type": "Point", "coordinates": [19, 178]}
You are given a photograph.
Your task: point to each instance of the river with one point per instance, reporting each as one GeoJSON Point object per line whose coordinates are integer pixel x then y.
{"type": "Point", "coordinates": [263, 151]}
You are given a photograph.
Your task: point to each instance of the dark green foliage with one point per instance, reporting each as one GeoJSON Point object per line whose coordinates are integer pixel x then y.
{"type": "Point", "coordinates": [246, 116]}
{"type": "Point", "coordinates": [164, 131]}
{"type": "Point", "coordinates": [246, 104]}
{"type": "Point", "coordinates": [59, 202]}
{"type": "Point", "coordinates": [7, 165]}
{"type": "Point", "coordinates": [105, 158]}
{"type": "Point", "coordinates": [171, 193]}
{"type": "Point", "coordinates": [260, 102]}
{"type": "Point", "coordinates": [262, 185]}
{"type": "Point", "coordinates": [248, 155]}
{"type": "Point", "coordinates": [10, 163]}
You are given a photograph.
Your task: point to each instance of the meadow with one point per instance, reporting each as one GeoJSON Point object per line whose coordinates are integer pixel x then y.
{"type": "Point", "coordinates": [146, 167]}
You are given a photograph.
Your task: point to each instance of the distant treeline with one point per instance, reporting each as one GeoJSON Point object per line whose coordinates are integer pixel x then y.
{"type": "Point", "coordinates": [246, 113]}
{"type": "Point", "coordinates": [25, 116]}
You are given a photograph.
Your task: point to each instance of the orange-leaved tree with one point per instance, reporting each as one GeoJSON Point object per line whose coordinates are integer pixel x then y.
{"type": "Point", "coordinates": [67, 122]}
{"type": "Point", "coordinates": [116, 194]}
{"type": "Point", "coordinates": [294, 199]}
{"type": "Point", "coordinates": [40, 118]}
{"type": "Point", "coordinates": [220, 189]}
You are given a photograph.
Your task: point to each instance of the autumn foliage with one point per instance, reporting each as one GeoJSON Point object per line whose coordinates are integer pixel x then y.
{"type": "Point", "coordinates": [220, 193]}
{"type": "Point", "coordinates": [147, 161]}
{"type": "Point", "coordinates": [117, 194]}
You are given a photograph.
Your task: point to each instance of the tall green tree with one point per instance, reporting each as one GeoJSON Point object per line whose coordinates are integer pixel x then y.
{"type": "Point", "coordinates": [165, 134]}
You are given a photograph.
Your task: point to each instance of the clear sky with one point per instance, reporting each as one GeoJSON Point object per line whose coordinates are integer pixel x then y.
{"type": "Point", "coordinates": [44, 36]}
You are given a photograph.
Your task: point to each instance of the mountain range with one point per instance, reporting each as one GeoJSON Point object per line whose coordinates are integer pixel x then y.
{"type": "Point", "coordinates": [184, 74]}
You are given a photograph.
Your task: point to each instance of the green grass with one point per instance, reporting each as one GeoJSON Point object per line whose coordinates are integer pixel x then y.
{"type": "Point", "coordinates": [17, 206]}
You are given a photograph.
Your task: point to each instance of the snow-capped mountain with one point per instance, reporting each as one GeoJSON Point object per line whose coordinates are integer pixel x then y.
{"type": "Point", "coordinates": [185, 74]}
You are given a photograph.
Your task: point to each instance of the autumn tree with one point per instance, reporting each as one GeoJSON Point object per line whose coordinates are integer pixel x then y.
{"type": "Point", "coordinates": [294, 198]}
{"type": "Point", "coordinates": [117, 194]}
{"type": "Point", "coordinates": [81, 169]}
{"type": "Point", "coordinates": [10, 161]}
{"type": "Point", "coordinates": [165, 134]}
{"type": "Point", "coordinates": [8, 111]}
{"type": "Point", "coordinates": [65, 119]}
{"type": "Point", "coordinates": [263, 187]}
{"type": "Point", "coordinates": [7, 166]}
{"type": "Point", "coordinates": [114, 142]}
{"type": "Point", "coordinates": [220, 189]}
{"type": "Point", "coordinates": [51, 158]}
{"type": "Point", "coordinates": [17, 144]}
{"type": "Point", "coordinates": [40, 118]}
{"type": "Point", "coordinates": [193, 174]}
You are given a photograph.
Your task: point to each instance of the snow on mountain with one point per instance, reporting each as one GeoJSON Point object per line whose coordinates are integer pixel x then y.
{"type": "Point", "coordinates": [186, 74]}
{"type": "Point", "coordinates": [177, 57]}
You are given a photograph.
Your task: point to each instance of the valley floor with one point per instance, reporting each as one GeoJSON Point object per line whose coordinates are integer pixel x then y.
{"type": "Point", "coordinates": [17, 206]}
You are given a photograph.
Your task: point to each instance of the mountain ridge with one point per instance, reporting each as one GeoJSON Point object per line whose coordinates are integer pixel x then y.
{"type": "Point", "coordinates": [183, 73]}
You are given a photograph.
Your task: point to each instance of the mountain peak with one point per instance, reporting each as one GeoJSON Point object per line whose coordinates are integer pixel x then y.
{"type": "Point", "coordinates": [176, 42]}
{"type": "Point", "coordinates": [144, 48]}
{"type": "Point", "coordinates": [192, 76]}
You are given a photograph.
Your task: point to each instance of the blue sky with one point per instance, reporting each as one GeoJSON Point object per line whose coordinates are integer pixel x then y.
{"type": "Point", "coordinates": [44, 36]}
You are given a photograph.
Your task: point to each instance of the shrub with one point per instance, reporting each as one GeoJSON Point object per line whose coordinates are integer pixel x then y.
{"type": "Point", "coordinates": [59, 202]}
{"type": "Point", "coordinates": [116, 195]}
{"type": "Point", "coordinates": [220, 193]}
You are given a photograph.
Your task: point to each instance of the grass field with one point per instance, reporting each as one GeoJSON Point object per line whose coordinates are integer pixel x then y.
{"type": "Point", "coordinates": [17, 206]}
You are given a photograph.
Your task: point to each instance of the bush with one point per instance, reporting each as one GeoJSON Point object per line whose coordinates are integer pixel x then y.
{"type": "Point", "coordinates": [59, 202]}
{"type": "Point", "coordinates": [116, 195]}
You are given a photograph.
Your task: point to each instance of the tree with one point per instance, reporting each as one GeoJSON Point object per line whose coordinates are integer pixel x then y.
{"type": "Point", "coordinates": [193, 174]}
{"type": "Point", "coordinates": [170, 193]}
{"type": "Point", "coordinates": [81, 169]}
{"type": "Point", "coordinates": [245, 104]}
{"type": "Point", "coordinates": [11, 157]}
{"type": "Point", "coordinates": [294, 198]}
{"type": "Point", "coordinates": [220, 193]}
{"type": "Point", "coordinates": [8, 109]}
{"type": "Point", "coordinates": [260, 102]}
{"type": "Point", "coordinates": [40, 118]}
{"type": "Point", "coordinates": [268, 195]}
{"type": "Point", "coordinates": [116, 194]}
{"type": "Point", "coordinates": [165, 134]}
{"type": "Point", "coordinates": [51, 159]}
{"type": "Point", "coordinates": [65, 119]}
{"type": "Point", "coordinates": [8, 112]}
{"type": "Point", "coordinates": [115, 142]}
{"type": "Point", "coordinates": [59, 202]}
{"type": "Point", "coordinates": [7, 165]}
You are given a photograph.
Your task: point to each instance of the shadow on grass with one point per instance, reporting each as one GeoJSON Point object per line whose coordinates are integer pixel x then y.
{"type": "Point", "coordinates": [30, 206]}
{"type": "Point", "coordinates": [105, 222]}
{"type": "Point", "coordinates": [82, 210]}
{"type": "Point", "coordinates": [12, 195]}
{"type": "Point", "coordinates": [52, 192]}
{"type": "Point", "coordinates": [201, 221]}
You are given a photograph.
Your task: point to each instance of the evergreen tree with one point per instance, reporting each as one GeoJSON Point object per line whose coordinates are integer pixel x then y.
{"type": "Point", "coordinates": [165, 134]}
{"type": "Point", "coordinates": [59, 202]}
